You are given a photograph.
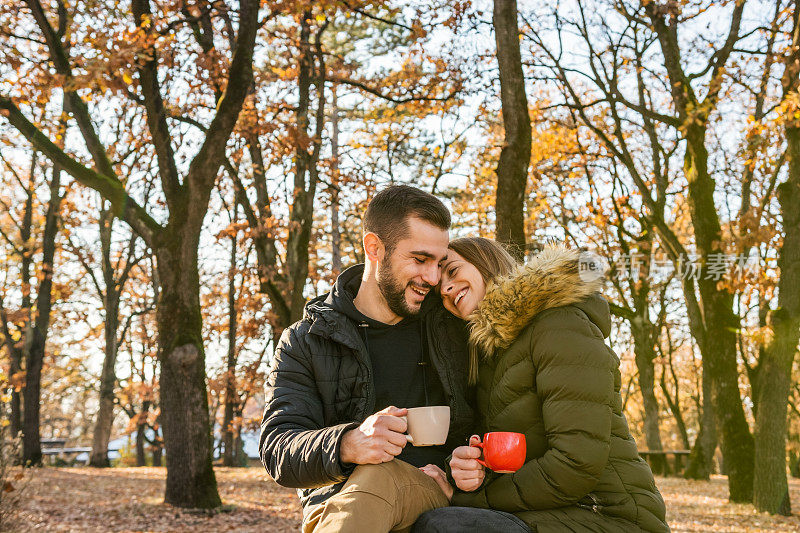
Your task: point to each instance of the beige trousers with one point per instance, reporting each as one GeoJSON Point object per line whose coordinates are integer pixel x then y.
{"type": "Point", "coordinates": [377, 498]}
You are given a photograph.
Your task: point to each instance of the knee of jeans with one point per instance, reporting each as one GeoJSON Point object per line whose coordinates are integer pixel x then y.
{"type": "Point", "coordinates": [433, 521]}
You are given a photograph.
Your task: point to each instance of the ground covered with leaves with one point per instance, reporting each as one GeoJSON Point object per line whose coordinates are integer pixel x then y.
{"type": "Point", "coordinates": [129, 499]}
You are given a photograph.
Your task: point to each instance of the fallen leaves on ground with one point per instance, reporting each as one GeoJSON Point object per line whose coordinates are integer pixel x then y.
{"type": "Point", "coordinates": [700, 506]}
{"type": "Point", "coordinates": [130, 500]}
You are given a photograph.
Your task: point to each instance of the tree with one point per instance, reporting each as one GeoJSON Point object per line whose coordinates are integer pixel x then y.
{"type": "Point", "coordinates": [614, 68]}
{"type": "Point", "coordinates": [34, 324]}
{"type": "Point", "coordinates": [290, 136]}
{"type": "Point", "coordinates": [184, 402]}
{"type": "Point", "coordinates": [771, 492]}
{"type": "Point", "coordinates": [115, 271]}
{"type": "Point", "coordinates": [512, 169]}
{"type": "Point", "coordinates": [22, 248]}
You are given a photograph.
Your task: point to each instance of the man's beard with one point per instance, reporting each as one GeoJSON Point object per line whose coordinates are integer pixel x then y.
{"type": "Point", "coordinates": [394, 292]}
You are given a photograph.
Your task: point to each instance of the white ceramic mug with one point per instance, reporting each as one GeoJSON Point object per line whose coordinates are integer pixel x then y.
{"type": "Point", "coordinates": [428, 426]}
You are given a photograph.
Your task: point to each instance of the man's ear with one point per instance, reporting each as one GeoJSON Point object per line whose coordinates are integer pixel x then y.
{"type": "Point", "coordinates": [373, 247]}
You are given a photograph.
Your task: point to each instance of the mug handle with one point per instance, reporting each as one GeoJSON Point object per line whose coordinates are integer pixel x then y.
{"type": "Point", "coordinates": [481, 461]}
{"type": "Point", "coordinates": [409, 439]}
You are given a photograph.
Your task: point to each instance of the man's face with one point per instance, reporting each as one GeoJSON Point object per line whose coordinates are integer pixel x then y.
{"type": "Point", "coordinates": [411, 270]}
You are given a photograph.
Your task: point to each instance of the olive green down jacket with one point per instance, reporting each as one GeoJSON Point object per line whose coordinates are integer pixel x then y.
{"type": "Point", "coordinates": [547, 372]}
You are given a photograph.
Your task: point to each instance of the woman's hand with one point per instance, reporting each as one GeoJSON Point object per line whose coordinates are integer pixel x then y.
{"type": "Point", "coordinates": [467, 472]}
{"type": "Point", "coordinates": [440, 478]}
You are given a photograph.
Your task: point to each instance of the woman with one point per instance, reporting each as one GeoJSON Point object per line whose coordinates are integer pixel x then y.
{"type": "Point", "coordinates": [544, 370]}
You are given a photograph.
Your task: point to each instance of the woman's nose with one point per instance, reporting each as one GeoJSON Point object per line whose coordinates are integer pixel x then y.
{"type": "Point", "coordinates": [447, 288]}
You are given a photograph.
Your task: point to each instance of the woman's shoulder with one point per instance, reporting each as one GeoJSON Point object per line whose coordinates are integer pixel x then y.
{"type": "Point", "coordinates": [516, 303]}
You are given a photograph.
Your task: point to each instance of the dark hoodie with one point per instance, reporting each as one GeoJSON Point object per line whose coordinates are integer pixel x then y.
{"type": "Point", "coordinates": [401, 370]}
{"type": "Point", "coordinates": [323, 382]}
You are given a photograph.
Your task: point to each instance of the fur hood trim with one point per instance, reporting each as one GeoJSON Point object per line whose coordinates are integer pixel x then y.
{"type": "Point", "coordinates": [551, 279]}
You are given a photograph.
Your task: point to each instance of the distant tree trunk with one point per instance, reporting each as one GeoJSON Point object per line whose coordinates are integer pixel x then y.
{"type": "Point", "coordinates": [15, 367]}
{"type": "Point", "coordinates": [141, 438]}
{"type": "Point", "coordinates": [157, 452]}
{"type": "Point", "coordinates": [15, 353]}
{"type": "Point", "coordinates": [34, 358]}
{"type": "Point", "coordinates": [771, 491]}
{"type": "Point", "coordinates": [239, 457]}
{"type": "Point", "coordinates": [512, 169]}
{"type": "Point", "coordinates": [336, 234]}
{"type": "Point", "coordinates": [645, 354]}
{"type": "Point", "coordinates": [674, 405]}
{"type": "Point", "coordinates": [158, 443]}
{"type": "Point", "coordinates": [701, 460]}
{"type": "Point", "coordinates": [108, 376]}
{"type": "Point", "coordinates": [306, 172]}
{"type": "Point", "coordinates": [231, 398]}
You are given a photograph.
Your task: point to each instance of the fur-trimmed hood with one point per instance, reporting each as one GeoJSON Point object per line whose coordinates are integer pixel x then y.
{"type": "Point", "coordinates": [551, 279]}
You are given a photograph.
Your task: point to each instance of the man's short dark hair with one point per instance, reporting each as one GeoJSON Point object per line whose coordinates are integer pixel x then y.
{"type": "Point", "coordinates": [387, 214]}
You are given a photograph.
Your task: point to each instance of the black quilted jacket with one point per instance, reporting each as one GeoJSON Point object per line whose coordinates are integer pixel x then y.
{"type": "Point", "coordinates": [319, 386]}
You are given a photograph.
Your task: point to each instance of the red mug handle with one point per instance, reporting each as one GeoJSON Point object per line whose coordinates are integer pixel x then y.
{"type": "Point", "coordinates": [480, 445]}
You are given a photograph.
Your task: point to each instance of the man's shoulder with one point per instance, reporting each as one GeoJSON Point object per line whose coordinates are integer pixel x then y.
{"type": "Point", "coordinates": [319, 319]}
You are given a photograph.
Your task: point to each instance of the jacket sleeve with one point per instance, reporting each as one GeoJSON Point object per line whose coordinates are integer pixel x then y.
{"type": "Point", "coordinates": [296, 449]}
{"type": "Point", "coordinates": [575, 383]}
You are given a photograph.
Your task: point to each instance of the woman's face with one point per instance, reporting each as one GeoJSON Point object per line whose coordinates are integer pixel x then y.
{"type": "Point", "coordinates": [462, 286]}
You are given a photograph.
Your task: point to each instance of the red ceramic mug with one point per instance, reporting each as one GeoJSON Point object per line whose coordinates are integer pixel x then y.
{"type": "Point", "coordinates": [503, 451]}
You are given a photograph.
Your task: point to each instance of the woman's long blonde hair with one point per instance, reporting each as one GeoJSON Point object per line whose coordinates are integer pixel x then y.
{"type": "Point", "coordinates": [492, 261]}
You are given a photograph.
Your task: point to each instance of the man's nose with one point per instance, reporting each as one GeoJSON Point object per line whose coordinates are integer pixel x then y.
{"type": "Point", "coordinates": [432, 274]}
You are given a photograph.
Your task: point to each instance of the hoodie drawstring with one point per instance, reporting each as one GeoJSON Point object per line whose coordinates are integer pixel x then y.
{"type": "Point", "coordinates": [423, 363]}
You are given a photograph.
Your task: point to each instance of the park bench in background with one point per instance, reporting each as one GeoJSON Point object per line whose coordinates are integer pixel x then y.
{"type": "Point", "coordinates": [659, 462]}
{"type": "Point", "coordinates": [55, 448]}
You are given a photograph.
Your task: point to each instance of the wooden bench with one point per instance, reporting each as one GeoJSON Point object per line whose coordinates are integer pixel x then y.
{"type": "Point", "coordinates": [659, 461]}
{"type": "Point", "coordinates": [64, 453]}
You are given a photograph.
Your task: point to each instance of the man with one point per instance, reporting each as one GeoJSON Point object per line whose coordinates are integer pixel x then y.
{"type": "Point", "coordinates": [342, 378]}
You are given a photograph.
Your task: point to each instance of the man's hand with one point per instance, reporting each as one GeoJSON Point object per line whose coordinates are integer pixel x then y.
{"type": "Point", "coordinates": [377, 440]}
{"type": "Point", "coordinates": [467, 472]}
{"type": "Point", "coordinates": [440, 478]}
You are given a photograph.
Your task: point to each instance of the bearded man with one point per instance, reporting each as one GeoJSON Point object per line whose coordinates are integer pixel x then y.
{"type": "Point", "coordinates": [378, 343]}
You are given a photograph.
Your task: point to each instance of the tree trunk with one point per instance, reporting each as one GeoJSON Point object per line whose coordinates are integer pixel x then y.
{"type": "Point", "coordinates": [183, 397]}
{"type": "Point", "coordinates": [701, 460]}
{"type": "Point", "coordinates": [770, 487]}
{"type": "Point", "coordinates": [674, 407]}
{"type": "Point", "coordinates": [719, 345]}
{"type": "Point", "coordinates": [306, 173]}
{"type": "Point", "coordinates": [34, 358]}
{"type": "Point", "coordinates": [512, 169]}
{"type": "Point", "coordinates": [157, 452]}
{"type": "Point", "coordinates": [141, 440]}
{"type": "Point", "coordinates": [108, 376]}
{"type": "Point", "coordinates": [794, 466]}
{"type": "Point", "coordinates": [336, 235]}
{"type": "Point", "coordinates": [158, 443]}
{"type": "Point", "coordinates": [645, 354]}
{"type": "Point", "coordinates": [108, 379]}
{"type": "Point", "coordinates": [15, 353]}
{"type": "Point", "coordinates": [230, 374]}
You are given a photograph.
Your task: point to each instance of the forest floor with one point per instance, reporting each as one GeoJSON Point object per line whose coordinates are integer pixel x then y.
{"type": "Point", "coordinates": [129, 499]}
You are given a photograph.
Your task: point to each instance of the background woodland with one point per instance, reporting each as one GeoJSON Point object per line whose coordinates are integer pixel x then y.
{"type": "Point", "coordinates": [178, 177]}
